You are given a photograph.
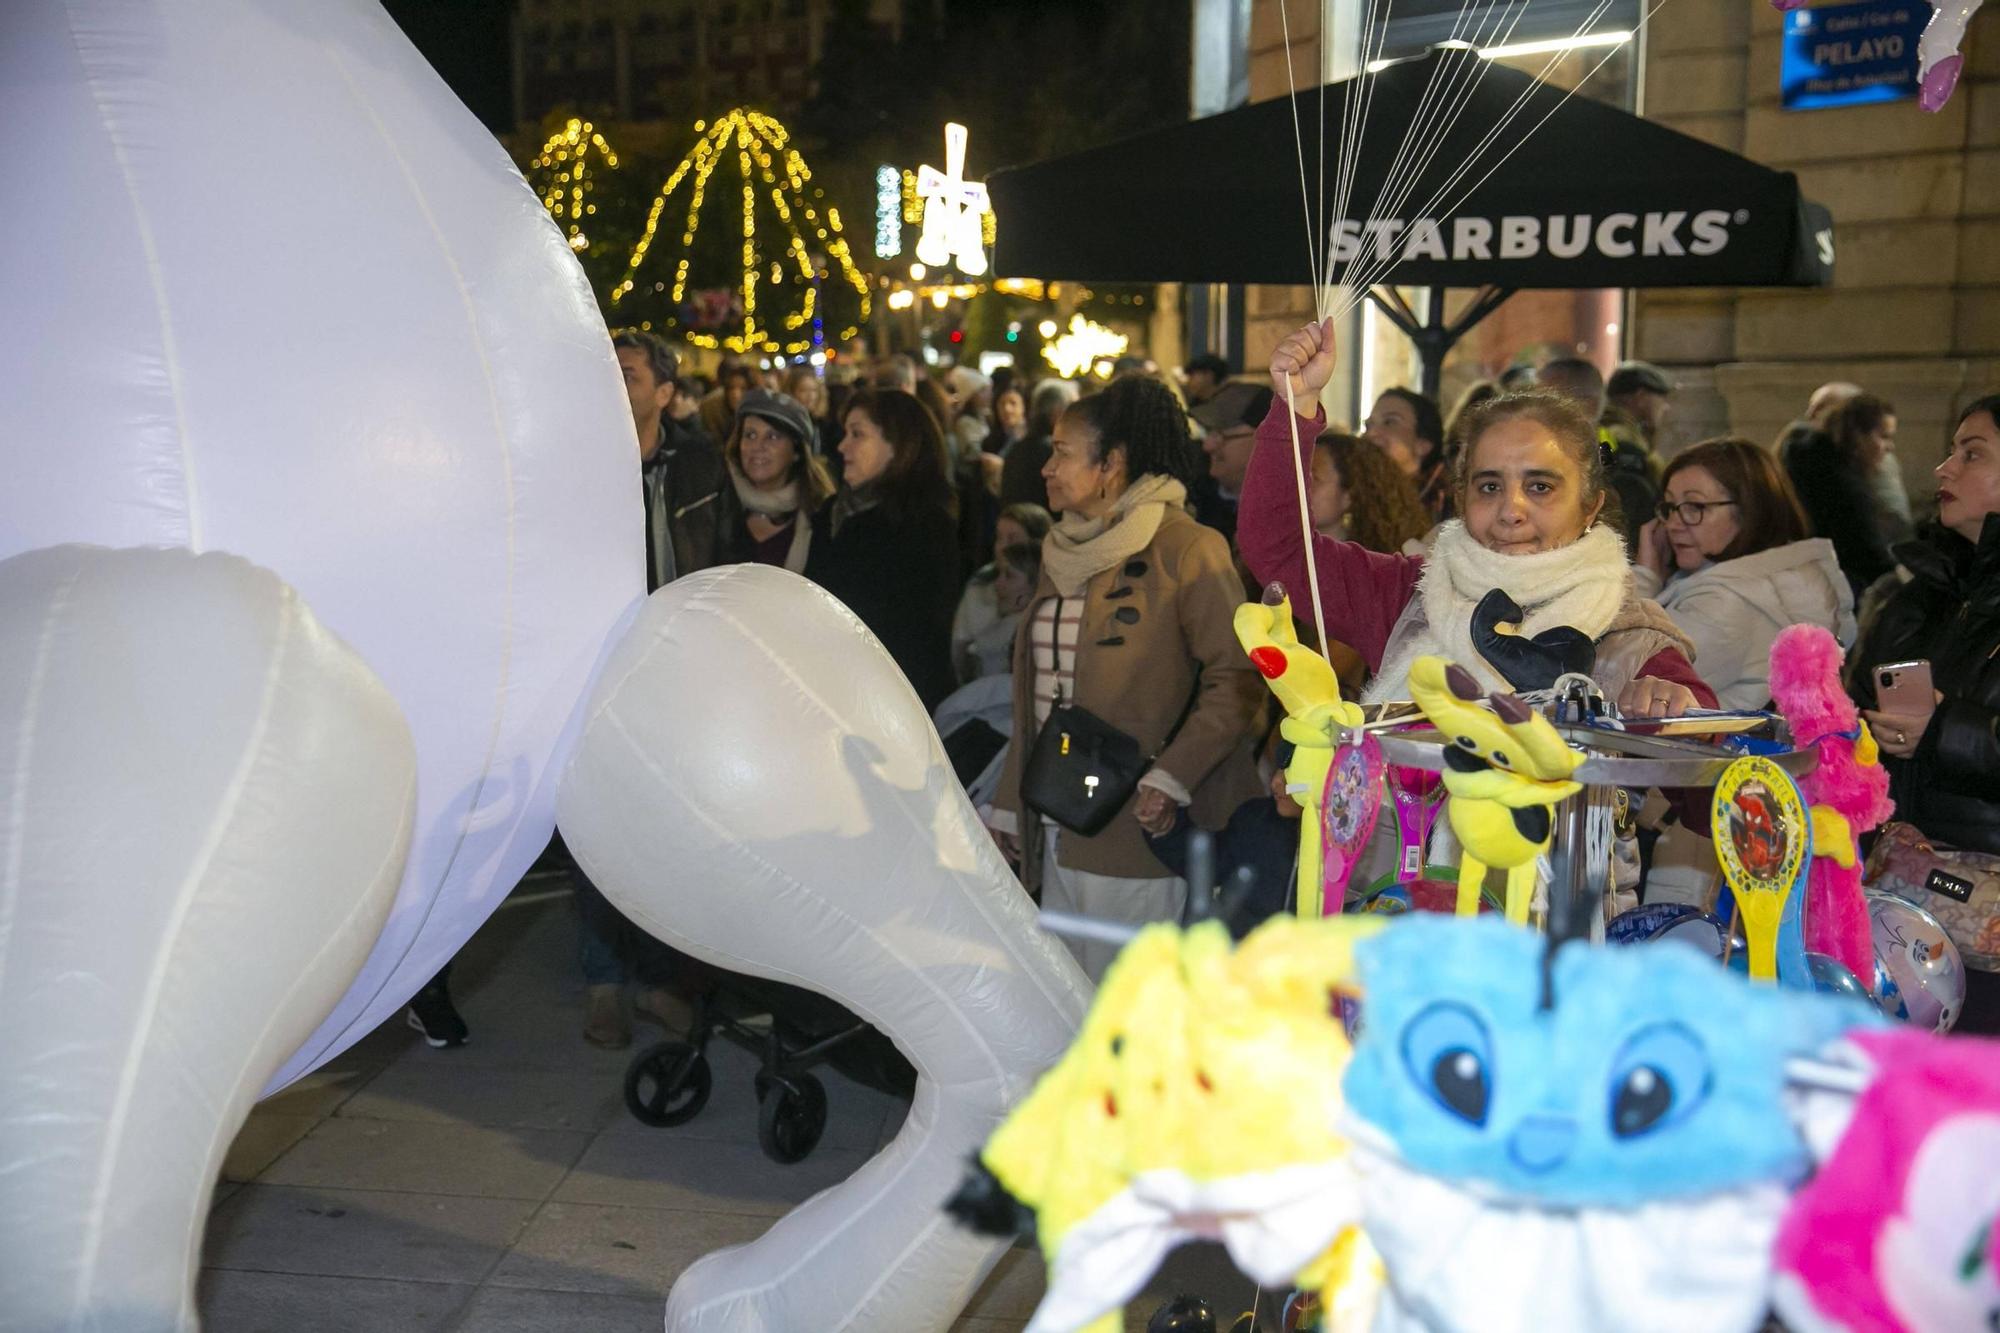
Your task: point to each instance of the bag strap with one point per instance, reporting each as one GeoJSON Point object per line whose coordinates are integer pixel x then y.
{"type": "Point", "coordinates": [1055, 653]}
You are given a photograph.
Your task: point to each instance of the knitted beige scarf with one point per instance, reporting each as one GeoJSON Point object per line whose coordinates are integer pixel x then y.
{"type": "Point", "coordinates": [1078, 548]}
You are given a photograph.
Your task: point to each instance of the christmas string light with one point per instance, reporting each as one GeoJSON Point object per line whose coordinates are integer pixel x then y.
{"type": "Point", "coordinates": [560, 175]}
{"type": "Point", "coordinates": [761, 150]}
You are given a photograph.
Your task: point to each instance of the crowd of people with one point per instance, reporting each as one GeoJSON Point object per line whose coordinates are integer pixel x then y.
{"type": "Point", "coordinates": [1022, 548]}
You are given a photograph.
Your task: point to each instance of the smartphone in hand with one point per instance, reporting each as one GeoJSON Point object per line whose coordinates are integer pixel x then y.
{"type": "Point", "coordinates": [1905, 688]}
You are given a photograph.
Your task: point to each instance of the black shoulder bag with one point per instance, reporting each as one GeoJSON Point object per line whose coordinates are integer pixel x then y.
{"type": "Point", "coordinates": [1082, 769]}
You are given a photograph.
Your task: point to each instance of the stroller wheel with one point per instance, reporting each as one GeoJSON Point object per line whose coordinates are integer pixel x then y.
{"type": "Point", "coordinates": [791, 1115]}
{"type": "Point", "coordinates": [667, 1084]}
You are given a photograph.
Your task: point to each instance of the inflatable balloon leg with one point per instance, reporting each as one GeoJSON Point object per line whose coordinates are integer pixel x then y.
{"type": "Point", "coordinates": [756, 784]}
{"type": "Point", "coordinates": [286, 298]}
{"type": "Point", "coordinates": [209, 798]}
{"type": "Point", "coordinates": [1938, 58]}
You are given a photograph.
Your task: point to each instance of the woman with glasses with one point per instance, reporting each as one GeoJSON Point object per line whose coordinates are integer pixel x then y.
{"type": "Point", "coordinates": [1730, 558]}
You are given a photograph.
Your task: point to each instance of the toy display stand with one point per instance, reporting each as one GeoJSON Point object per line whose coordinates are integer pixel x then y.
{"type": "Point", "coordinates": [1614, 759]}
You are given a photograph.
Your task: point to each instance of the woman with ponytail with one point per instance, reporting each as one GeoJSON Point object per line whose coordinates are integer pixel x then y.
{"type": "Point", "coordinates": [1132, 620]}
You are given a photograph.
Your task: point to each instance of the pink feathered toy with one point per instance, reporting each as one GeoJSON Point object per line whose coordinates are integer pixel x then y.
{"type": "Point", "coordinates": [1849, 790]}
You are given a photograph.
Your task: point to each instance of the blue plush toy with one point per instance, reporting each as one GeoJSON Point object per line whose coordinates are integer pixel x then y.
{"type": "Point", "coordinates": [1601, 1144]}
{"type": "Point", "coordinates": [1653, 1074]}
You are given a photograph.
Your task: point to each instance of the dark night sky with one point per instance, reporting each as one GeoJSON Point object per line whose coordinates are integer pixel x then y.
{"type": "Point", "coordinates": [466, 42]}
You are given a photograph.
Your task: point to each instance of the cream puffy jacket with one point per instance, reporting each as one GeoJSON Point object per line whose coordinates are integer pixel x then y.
{"type": "Point", "coordinates": [1733, 609]}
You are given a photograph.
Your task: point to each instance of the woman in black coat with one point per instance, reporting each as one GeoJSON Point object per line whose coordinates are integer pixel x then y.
{"type": "Point", "coordinates": [887, 543]}
{"type": "Point", "coordinates": [1830, 469]}
{"type": "Point", "coordinates": [1944, 763]}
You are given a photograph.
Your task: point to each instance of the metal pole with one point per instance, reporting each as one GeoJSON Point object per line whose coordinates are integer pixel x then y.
{"type": "Point", "coordinates": [1434, 343]}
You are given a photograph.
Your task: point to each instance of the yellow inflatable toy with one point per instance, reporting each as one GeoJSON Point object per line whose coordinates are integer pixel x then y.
{"type": "Point", "coordinates": [1504, 770]}
{"type": "Point", "coordinates": [1309, 692]}
{"type": "Point", "coordinates": [1160, 1126]}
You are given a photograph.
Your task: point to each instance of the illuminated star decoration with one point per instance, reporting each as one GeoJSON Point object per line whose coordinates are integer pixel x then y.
{"type": "Point", "coordinates": [954, 211]}
{"type": "Point", "coordinates": [761, 147]}
{"type": "Point", "coordinates": [561, 172]}
{"type": "Point", "coordinates": [1082, 347]}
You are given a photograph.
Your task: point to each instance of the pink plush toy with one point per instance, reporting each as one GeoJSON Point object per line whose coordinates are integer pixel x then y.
{"type": "Point", "coordinates": [1899, 1232]}
{"type": "Point", "coordinates": [1849, 790]}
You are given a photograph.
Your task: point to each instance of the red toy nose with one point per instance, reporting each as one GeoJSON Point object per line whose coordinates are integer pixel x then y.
{"type": "Point", "coordinates": [1270, 661]}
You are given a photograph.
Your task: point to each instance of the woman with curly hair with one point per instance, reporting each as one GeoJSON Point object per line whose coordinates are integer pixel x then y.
{"type": "Point", "coordinates": [1132, 620]}
{"type": "Point", "coordinates": [1360, 495]}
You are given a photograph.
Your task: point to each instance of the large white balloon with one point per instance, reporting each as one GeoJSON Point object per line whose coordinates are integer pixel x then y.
{"type": "Point", "coordinates": [758, 785]}
{"type": "Point", "coordinates": [205, 802]}
{"type": "Point", "coordinates": [271, 289]}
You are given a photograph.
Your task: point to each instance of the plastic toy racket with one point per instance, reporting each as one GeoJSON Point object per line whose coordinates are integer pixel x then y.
{"type": "Point", "coordinates": [1349, 805]}
{"type": "Point", "coordinates": [1763, 838]}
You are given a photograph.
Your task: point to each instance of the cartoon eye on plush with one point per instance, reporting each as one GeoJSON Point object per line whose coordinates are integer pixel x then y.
{"type": "Point", "coordinates": [1448, 1053]}
{"type": "Point", "coordinates": [1661, 1075]}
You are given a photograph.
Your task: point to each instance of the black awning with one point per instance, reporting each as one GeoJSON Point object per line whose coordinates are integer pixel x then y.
{"type": "Point", "coordinates": [1584, 195]}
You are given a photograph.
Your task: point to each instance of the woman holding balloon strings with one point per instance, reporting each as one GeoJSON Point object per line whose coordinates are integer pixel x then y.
{"type": "Point", "coordinates": [1529, 487]}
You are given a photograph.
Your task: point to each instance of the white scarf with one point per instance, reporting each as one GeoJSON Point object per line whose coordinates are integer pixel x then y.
{"type": "Point", "coordinates": [1581, 585]}
{"type": "Point", "coordinates": [1078, 548]}
{"type": "Point", "coordinates": [773, 502]}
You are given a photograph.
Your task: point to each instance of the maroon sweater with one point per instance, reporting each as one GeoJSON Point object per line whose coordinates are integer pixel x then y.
{"type": "Point", "coordinates": [1361, 592]}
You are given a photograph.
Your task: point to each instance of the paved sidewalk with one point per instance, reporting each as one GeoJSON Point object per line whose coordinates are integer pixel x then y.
{"type": "Point", "coordinates": [502, 1186]}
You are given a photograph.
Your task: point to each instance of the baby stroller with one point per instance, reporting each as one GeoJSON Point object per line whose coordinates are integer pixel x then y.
{"type": "Point", "coordinates": [791, 1031]}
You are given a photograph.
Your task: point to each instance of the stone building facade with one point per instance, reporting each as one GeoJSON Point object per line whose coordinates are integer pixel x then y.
{"type": "Point", "coordinates": [1915, 198]}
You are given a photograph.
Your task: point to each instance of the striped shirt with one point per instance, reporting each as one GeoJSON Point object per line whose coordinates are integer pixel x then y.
{"type": "Point", "coordinates": [1052, 652]}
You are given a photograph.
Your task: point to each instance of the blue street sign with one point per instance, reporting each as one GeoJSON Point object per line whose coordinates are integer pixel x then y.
{"type": "Point", "coordinates": [1851, 55]}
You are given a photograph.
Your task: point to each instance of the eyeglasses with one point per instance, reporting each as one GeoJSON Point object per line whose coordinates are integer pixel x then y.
{"type": "Point", "coordinates": [1691, 511]}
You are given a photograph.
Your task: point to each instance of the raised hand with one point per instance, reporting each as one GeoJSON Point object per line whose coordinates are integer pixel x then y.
{"type": "Point", "coordinates": [1307, 358]}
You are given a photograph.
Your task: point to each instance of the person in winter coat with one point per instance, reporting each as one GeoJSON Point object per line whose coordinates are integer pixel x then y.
{"type": "Point", "coordinates": [1729, 559]}
{"type": "Point", "coordinates": [1944, 765]}
{"type": "Point", "coordinates": [779, 480]}
{"type": "Point", "coordinates": [690, 508]}
{"type": "Point", "coordinates": [1529, 488]}
{"type": "Point", "coordinates": [979, 607]}
{"type": "Point", "coordinates": [1021, 479]}
{"type": "Point", "coordinates": [1133, 620]}
{"type": "Point", "coordinates": [886, 544]}
{"type": "Point", "coordinates": [1833, 472]}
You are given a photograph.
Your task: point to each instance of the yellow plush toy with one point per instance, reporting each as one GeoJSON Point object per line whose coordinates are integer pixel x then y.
{"type": "Point", "coordinates": [1309, 691]}
{"type": "Point", "coordinates": [1199, 1102]}
{"type": "Point", "coordinates": [1504, 770]}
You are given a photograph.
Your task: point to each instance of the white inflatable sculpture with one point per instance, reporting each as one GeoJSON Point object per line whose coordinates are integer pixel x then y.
{"type": "Point", "coordinates": [277, 293]}
{"type": "Point", "coordinates": [758, 785]}
{"type": "Point", "coordinates": [205, 802]}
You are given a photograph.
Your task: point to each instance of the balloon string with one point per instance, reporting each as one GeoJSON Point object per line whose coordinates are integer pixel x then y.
{"type": "Point", "coordinates": [1305, 514]}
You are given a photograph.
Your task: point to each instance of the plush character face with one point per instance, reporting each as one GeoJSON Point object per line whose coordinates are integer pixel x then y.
{"type": "Point", "coordinates": [1654, 1075]}
{"type": "Point", "coordinates": [1161, 1123]}
{"type": "Point", "coordinates": [1897, 1229]}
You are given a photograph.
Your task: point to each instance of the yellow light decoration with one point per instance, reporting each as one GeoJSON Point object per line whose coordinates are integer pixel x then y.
{"type": "Point", "coordinates": [1084, 346]}
{"type": "Point", "coordinates": [561, 172]}
{"type": "Point", "coordinates": [762, 146]}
